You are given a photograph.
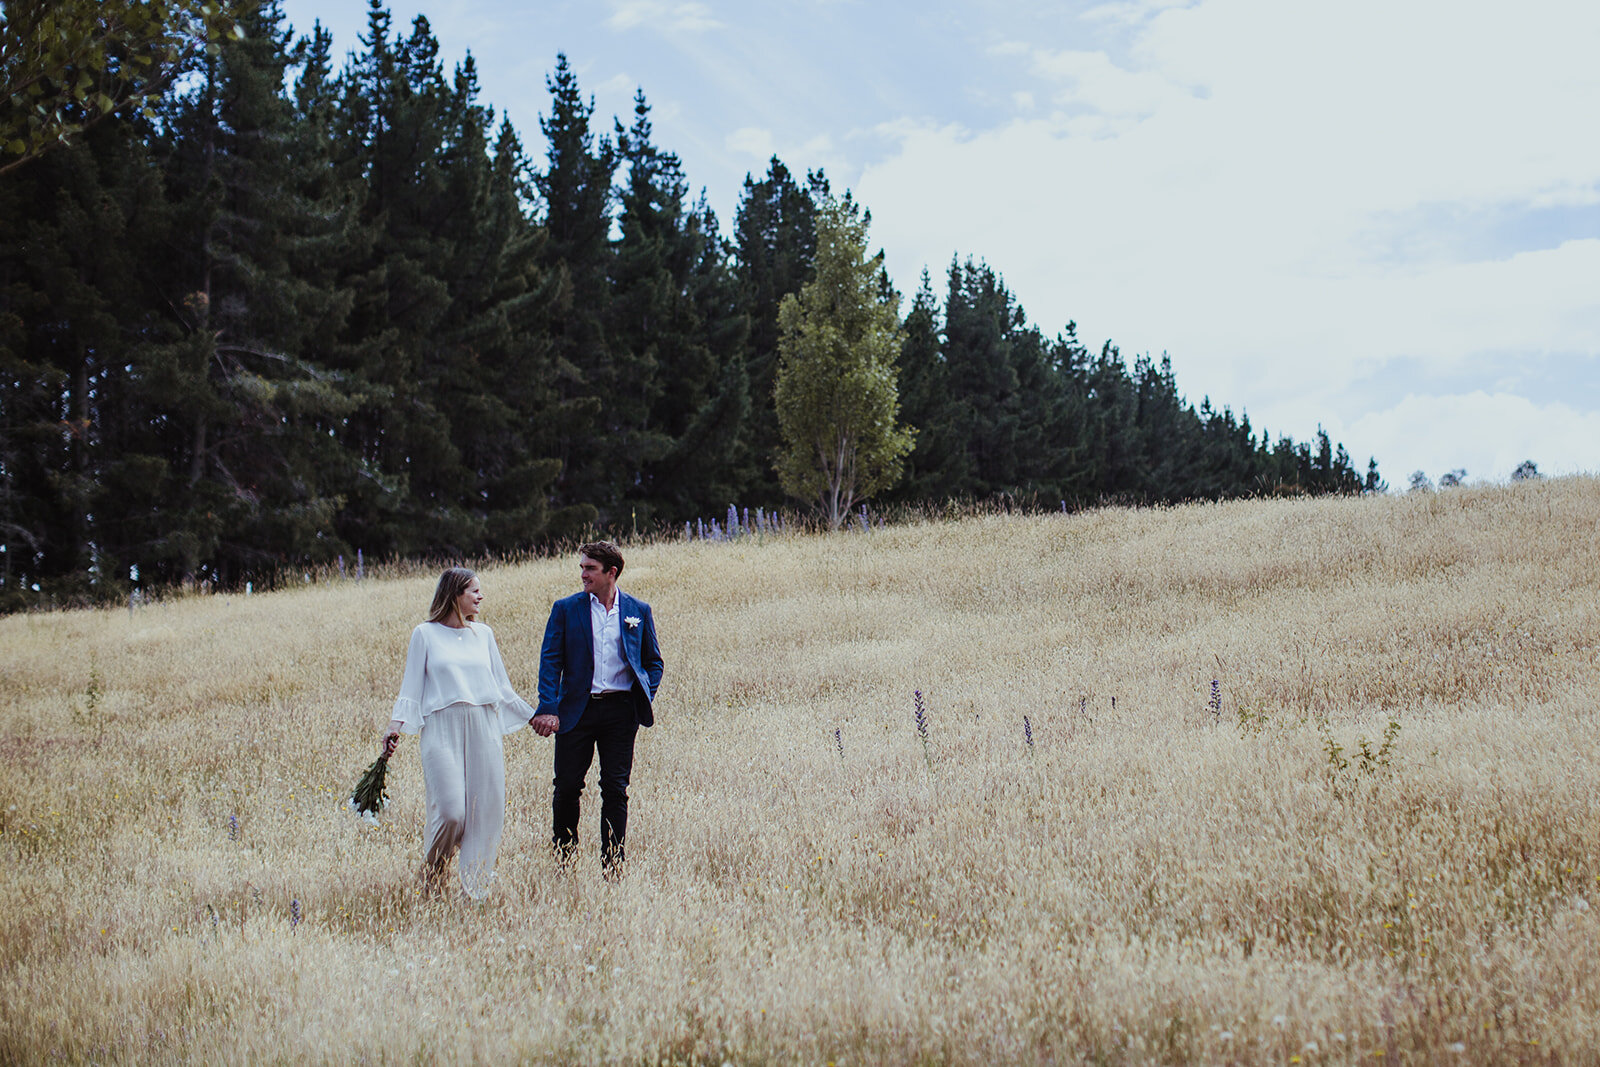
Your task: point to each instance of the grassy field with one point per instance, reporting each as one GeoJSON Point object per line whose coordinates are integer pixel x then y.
{"type": "Point", "coordinates": [1376, 840]}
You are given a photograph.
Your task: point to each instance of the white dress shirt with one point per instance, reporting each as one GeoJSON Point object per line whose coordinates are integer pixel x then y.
{"type": "Point", "coordinates": [611, 673]}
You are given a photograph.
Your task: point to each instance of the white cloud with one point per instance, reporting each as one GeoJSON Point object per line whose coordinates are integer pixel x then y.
{"type": "Point", "coordinates": [751, 141]}
{"type": "Point", "coordinates": [1092, 81]}
{"type": "Point", "coordinates": [1487, 434]}
{"type": "Point", "coordinates": [616, 85]}
{"type": "Point", "coordinates": [677, 18]}
{"type": "Point", "coordinates": [1129, 12]}
{"type": "Point", "coordinates": [1238, 190]}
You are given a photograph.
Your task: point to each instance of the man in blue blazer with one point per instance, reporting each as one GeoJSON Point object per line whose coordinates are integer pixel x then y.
{"type": "Point", "coordinates": [599, 671]}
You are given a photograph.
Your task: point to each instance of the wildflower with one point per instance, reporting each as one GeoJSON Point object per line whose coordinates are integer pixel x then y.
{"type": "Point", "coordinates": [1215, 703]}
{"type": "Point", "coordinates": [1027, 732]}
{"type": "Point", "coordinates": [838, 742]}
{"type": "Point", "coordinates": [233, 827]}
{"type": "Point", "coordinates": [294, 913]}
{"type": "Point", "coordinates": [920, 715]}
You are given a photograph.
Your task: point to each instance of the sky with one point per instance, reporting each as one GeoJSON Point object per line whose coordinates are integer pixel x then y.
{"type": "Point", "coordinates": [1377, 216]}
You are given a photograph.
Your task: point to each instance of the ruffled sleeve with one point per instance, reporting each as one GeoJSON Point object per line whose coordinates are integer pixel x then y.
{"type": "Point", "coordinates": [514, 711]}
{"type": "Point", "coordinates": [408, 705]}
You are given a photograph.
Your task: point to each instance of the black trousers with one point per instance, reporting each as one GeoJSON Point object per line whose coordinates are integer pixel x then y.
{"type": "Point", "coordinates": [608, 725]}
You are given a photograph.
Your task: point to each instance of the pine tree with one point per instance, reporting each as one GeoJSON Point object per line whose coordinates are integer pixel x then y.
{"type": "Point", "coordinates": [259, 470]}
{"type": "Point", "coordinates": [576, 189]}
{"type": "Point", "coordinates": [775, 241]}
{"type": "Point", "coordinates": [934, 467]}
{"type": "Point", "coordinates": [74, 242]}
{"type": "Point", "coordinates": [672, 312]}
{"type": "Point", "coordinates": [981, 320]}
{"type": "Point", "coordinates": [491, 379]}
{"type": "Point", "coordinates": [397, 115]}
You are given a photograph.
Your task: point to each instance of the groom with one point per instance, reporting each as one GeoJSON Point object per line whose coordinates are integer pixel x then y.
{"type": "Point", "coordinates": [598, 674]}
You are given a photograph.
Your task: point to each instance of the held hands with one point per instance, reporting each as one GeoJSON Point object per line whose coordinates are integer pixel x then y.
{"type": "Point", "coordinates": [544, 725]}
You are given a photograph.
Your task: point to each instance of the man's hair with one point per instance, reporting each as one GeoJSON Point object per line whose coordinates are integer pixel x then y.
{"type": "Point", "coordinates": [452, 583]}
{"type": "Point", "coordinates": [608, 555]}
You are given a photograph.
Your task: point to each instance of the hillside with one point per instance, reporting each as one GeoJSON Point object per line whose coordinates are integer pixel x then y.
{"type": "Point", "coordinates": [1381, 836]}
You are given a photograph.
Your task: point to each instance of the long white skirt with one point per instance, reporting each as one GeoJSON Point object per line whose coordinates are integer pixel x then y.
{"type": "Point", "coordinates": [464, 771]}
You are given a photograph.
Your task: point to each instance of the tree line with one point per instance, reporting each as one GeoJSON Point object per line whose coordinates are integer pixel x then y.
{"type": "Point", "coordinates": [288, 309]}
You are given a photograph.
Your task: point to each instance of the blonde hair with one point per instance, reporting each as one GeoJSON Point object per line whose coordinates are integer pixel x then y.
{"type": "Point", "coordinates": [452, 583]}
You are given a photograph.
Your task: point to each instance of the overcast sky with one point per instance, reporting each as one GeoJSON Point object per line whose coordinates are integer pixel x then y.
{"type": "Point", "coordinates": [1378, 215]}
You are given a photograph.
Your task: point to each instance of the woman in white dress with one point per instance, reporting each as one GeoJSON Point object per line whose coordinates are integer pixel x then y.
{"type": "Point", "coordinates": [457, 695]}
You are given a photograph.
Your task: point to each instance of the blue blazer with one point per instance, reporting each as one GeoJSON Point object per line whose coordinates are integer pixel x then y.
{"type": "Point", "coordinates": [566, 660]}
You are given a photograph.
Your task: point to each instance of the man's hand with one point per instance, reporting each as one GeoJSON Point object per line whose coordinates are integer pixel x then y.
{"type": "Point", "coordinates": [544, 725]}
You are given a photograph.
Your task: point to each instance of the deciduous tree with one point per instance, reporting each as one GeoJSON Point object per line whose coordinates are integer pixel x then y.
{"type": "Point", "coordinates": [835, 393]}
{"type": "Point", "coordinates": [69, 64]}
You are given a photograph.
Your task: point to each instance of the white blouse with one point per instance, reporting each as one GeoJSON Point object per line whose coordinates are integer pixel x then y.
{"type": "Point", "coordinates": [446, 666]}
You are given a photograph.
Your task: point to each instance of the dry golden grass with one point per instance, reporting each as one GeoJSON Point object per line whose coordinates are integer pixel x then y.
{"type": "Point", "coordinates": [1152, 881]}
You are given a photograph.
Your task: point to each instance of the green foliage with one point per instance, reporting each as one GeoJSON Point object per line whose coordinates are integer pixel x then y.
{"type": "Point", "coordinates": [1252, 720]}
{"type": "Point", "coordinates": [272, 313]}
{"type": "Point", "coordinates": [1347, 773]}
{"type": "Point", "coordinates": [835, 391]}
{"type": "Point", "coordinates": [371, 793]}
{"type": "Point", "coordinates": [69, 64]}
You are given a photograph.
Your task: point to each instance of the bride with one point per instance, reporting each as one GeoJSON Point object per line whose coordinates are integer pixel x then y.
{"type": "Point", "coordinates": [457, 695]}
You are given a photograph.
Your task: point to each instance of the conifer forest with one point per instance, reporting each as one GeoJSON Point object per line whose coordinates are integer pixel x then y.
{"type": "Point", "coordinates": [315, 299]}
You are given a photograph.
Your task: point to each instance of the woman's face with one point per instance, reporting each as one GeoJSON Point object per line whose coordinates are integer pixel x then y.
{"type": "Point", "coordinates": [467, 603]}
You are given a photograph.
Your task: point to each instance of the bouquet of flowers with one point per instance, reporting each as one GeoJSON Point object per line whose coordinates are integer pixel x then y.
{"type": "Point", "coordinates": [371, 794]}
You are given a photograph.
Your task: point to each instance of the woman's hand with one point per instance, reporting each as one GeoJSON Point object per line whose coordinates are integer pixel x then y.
{"type": "Point", "coordinates": [391, 738]}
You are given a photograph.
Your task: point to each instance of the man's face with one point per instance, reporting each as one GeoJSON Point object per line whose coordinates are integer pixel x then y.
{"type": "Point", "coordinates": [596, 579]}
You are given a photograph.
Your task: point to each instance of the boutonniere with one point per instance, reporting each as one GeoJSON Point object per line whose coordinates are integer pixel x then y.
{"type": "Point", "coordinates": [632, 621]}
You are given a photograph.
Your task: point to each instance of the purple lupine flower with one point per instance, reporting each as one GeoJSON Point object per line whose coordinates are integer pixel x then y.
{"type": "Point", "coordinates": [294, 913]}
{"type": "Point", "coordinates": [361, 565]}
{"type": "Point", "coordinates": [233, 827]}
{"type": "Point", "coordinates": [1027, 732]}
{"type": "Point", "coordinates": [920, 715]}
{"type": "Point", "coordinates": [1215, 703]}
{"type": "Point", "coordinates": [701, 524]}
{"type": "Point", "coordinates": [838, 742]}
{"type": "Point", "coordinates": [733, 520]}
